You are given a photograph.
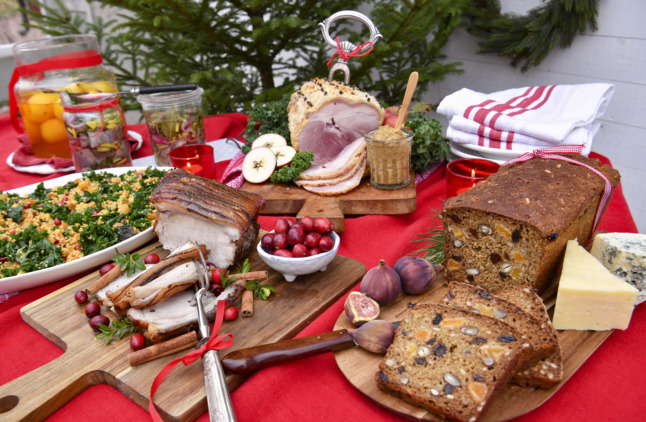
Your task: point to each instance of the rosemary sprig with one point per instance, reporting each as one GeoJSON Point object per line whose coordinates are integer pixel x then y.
{"type": "Point", "coordinates": [260, 290]}
{"type": "Point", "coordinates": [433, 240]}
{"type": "Point", "coordinates": [118, 329]}
{"type": "Point", "coordinates": [129, 263]}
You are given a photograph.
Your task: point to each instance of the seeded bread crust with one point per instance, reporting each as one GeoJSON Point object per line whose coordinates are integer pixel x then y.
{"type": "Point", "coordinates": [511, 229]}
{"type": "Point", "coordinates": [547, 372]}
{"type": "Point", "coordinates": [449, 361]}
{"type": "Point", "coordinates": [313, 94]}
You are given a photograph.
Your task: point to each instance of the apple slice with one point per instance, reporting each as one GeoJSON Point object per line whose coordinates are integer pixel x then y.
{"type": "Point", "coordinates": [258, 165]}
{"type": "Point", "coordinates": [284, 155]}
{"type": "Point", "coordinates": [269, 140]}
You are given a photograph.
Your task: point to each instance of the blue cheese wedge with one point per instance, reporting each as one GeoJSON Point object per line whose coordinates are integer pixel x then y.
{"type": "Point", "coordinates": [624, 254]}
{"type": "Point", "coordinates": [590, 297]}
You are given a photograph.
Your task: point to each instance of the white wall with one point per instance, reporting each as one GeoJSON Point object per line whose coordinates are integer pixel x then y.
{"type": "Point", "coordinates": [616, 53]}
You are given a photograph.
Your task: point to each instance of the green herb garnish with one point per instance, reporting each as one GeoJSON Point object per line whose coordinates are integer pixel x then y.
{"type": "Point", "coordinates": [300, 162]}
{"type": "Point", "coordinates": [259, 290]}
{"type": "Point", "coordinates": [433, 250]}
{"type": "Point", "coordinates": [272, 118]}
{"type": "Point", "coordinates": [428, 145]}
{"type": "Point", "coordinates": [130, 263]}
{"type": "Point", "coordinates": [118, 329]}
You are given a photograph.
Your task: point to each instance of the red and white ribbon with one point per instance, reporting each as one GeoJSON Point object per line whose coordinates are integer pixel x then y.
{"type": "Point", "coordinates": [553, 154]}
{"type": "Point", "coordinates": [216, 342]}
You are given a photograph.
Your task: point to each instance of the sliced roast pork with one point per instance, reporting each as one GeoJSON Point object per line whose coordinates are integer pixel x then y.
{"type": "Point", "coordinates": [178, 315]}
{"type": "Point", "coordinates": [325, 117]}
{"type": "Point", "coordinates": [166, 285]}
{"type": "Point", "coordinates": [192, 208]}
{"type": "Point", "coordinates": [348, 158]}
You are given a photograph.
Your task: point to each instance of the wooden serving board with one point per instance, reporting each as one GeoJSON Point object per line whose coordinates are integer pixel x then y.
{"type": "Point", "coordinates": [182, 396]}
{"type": "Point", "coordinates": [360, 366]}
{"type": "Point", "coordinates": [281, 199]}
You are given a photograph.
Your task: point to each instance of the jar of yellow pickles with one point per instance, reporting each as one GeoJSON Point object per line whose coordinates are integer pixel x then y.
{"type": "Point", "coordinates": [45, 68]}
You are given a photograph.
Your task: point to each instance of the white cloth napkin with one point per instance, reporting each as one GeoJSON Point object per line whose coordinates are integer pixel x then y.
{"type": "Point", "coordinates": [530, 116]}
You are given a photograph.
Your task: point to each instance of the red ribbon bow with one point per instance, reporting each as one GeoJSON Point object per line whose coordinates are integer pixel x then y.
{"type": "Point", "coordinates": [215, 343]}
{"type": "Point", "coordinates": [354, 53]}
{"type": "Point", "coordinates": [552, 154]}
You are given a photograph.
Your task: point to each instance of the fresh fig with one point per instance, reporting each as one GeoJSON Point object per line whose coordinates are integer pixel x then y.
{"type": "Point", "coordinates": [416, 274]}
{"type": "Point", "coordinates": [374, 336]}
{"type": "Point", "coordinates": [359, 308]}
{"type": "Point", "coordinates": [382, 284]}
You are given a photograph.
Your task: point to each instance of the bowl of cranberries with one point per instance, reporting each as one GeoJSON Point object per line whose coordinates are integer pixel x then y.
{"type": "Point", "coordinates": [299, 248]}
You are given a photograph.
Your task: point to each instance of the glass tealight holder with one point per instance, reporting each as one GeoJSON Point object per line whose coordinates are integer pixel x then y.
{"type": "Point", "coordinates": [464, 173]}
{"type": "Point", "coordinates": [196, 159]}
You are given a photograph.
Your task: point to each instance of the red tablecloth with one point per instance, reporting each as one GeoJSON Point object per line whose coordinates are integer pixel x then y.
{"type": "Point", "coordinates": [608, 387]}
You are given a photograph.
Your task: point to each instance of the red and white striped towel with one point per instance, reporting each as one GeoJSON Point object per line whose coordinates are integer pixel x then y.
{"type": "Point", "coordinates": [547, 114]}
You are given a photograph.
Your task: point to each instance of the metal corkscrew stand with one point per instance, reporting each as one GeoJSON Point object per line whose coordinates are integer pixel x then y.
{"type": "Point", "coordinates": [348, 47]}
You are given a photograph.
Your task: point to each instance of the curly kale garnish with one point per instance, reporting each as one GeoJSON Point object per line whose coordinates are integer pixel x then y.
{"type": "Point", "coordinates": [300, 162]}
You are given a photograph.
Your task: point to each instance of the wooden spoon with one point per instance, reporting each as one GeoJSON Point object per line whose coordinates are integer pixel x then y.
{"type": "Point", "coordinates": [410, 90]}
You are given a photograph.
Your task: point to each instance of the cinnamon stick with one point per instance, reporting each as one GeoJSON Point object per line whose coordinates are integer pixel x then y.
{"type": "Point", "coordinates": [164, 348]}
{"type": "Point", "coordinates": [104, 280]}
{"type": "Point", "coordinates": [247, 303]}
{"type": "Point", "coordinates": [252, 275]}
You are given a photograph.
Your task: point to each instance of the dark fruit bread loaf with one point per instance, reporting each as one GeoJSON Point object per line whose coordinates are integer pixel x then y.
{"type": "Point", "coordinates": [449, 361]}
{"type": "Point", "coordinates": [547, 372]}
{"type": "Point", "coordinates": [511, 229]}
{"type": "Point", "coordinates": [478, 300]}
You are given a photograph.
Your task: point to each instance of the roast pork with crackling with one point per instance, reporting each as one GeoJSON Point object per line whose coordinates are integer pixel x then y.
{"type": "Point", "coordinates": [193, 208]}
{"type": "Point", "coordinates": [325, 117]}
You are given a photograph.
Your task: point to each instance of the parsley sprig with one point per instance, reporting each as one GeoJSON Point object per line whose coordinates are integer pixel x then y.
{"type": "Point", "coordinates": [129, 263]}
{"type": "Point", "coordinates": [260, 290]}
{"type": "Point", "coordinates": [118, 329]}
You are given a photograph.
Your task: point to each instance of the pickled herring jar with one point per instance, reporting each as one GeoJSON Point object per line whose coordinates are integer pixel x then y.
{"type": "Point", "coordinates": [173, 119]}
{"type": "Point", "coordinates": [389, 152]}
{"type": "Point", "coordinates": [97, 134]}
{"type": "Point", "coordinates": [44, 68]}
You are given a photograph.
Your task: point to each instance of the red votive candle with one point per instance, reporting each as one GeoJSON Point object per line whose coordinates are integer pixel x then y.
{"type": "Point", "coordinates": [195, 158]}
{"type": "Point", "coordinates": [462, 174]}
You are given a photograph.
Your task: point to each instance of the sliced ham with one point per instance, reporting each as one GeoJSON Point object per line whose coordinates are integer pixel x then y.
{"type": "Point", "coordinates": [349, 157]}
{"type": "Point", "coordinates": [355, 165]}
{"type": "Point", "coordinates": [342, 187]}
{"type": "Point", "coordinates": [325, 117]}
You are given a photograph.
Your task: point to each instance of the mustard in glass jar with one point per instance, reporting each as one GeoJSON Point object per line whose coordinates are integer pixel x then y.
{"type": "Point", "coordinates": [46, 67]}
{"type": "Point", "coordinates": [389, 157]}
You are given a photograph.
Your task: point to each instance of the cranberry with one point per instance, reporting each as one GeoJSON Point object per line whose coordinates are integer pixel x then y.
{"type": "Point", "coordinates": [280, 241]}
{"type": "Point", "coordinates": [323, 225]}
{"type": "Point", "coordinates": [99, 319]}
{"type": "Point", "coordinates": [152, 258]}
{"type": "Point", "coordinates": [283, 252]}
{"type": "Point", "coordinates": [57, 221]}
{"type": "Point", "coordinates": [299, 225]}
{"type": "Point", "coordinates": [315, 251]}
{"type": "Point", "coordinates": [281, 226]}
{"type": "Point", "coordinates": [105, 269]}
{"type": "Point", "coordinates": [217, 291]}
{"type": "Point", "coordinates": [80, 297]}
{"type": "Point", "coordinates": [216, 276]}
{"type": "Point", "coordinates": [300, 251]}
{"type": "Point", "coordinates": [231, 313]}
{"type": "Point", "coordinates": [326, 243]}
{"type": "Point", "coordinates": [92, 309]}
{"type": "Point", "coordinates": [137, 341]}
{"type": "Point", "coordinates": [267, 242]}
{"type": "Point", "coordinates": [312, 239]}
{"type": "Point", "coordinates": [308, 222]}
{"type": "Point", "coordinates": [26, 206]}
{"type": "Point", "coordinates": [295, 235]}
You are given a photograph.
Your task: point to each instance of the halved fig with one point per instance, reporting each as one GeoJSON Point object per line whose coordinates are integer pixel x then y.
{"type": "Point", "coordinates": [284, 155]}
{"type": "Point", "coordinates": [269, 140]}
{"type": "Point", "coordinates": [359, 308]}
{"type": "Point", "coordinates": [258, 165]}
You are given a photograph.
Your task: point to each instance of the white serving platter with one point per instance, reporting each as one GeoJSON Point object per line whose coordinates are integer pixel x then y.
{"type": "Point", "coordinates": [89, 262]}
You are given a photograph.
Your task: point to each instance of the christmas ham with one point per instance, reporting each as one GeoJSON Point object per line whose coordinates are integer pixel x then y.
{"type": "Point", "coordinates": [192, 208]}
{"type": "Point", "coordinates": [325, 117]}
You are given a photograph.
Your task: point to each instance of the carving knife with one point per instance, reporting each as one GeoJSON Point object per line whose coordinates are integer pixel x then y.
{"type": "Point", "coordinates": [217, 394]}
{"type": "Point", "coordinates": [251, 359]}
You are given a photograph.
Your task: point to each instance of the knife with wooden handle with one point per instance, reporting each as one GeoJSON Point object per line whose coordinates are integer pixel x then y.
{"type": "Point", "coordinates": [251, 359]}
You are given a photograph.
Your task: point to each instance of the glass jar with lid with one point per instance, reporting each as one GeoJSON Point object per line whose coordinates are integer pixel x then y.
{"type": "Point", "coordinates": [46, 67]}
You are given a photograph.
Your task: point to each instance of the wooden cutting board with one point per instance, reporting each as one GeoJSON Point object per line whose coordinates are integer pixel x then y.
{"type": "Point", "coordinates": [181, 397]}
{"type": "Point", "coordinates": [287, 199]}
{"type": "Point", "coordinates": [360, 366]}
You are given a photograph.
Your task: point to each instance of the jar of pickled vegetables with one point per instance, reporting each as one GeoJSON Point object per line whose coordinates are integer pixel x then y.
{"type": "Point", "coordinates": [46, 67]}
{"type": "Point", "coordinates": [97, 134]}
{"type": "Point", "coordinates": [173, 119]}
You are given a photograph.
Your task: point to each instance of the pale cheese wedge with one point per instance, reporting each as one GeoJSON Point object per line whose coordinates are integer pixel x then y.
{"type": "Point", "coordinates": [589, 297]}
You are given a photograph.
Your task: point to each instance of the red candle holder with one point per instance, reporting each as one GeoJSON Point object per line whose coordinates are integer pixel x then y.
{"type": "Point", "coordinates": [196, 159]}
{"type": "Point", "coordinates": [464, 173]}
